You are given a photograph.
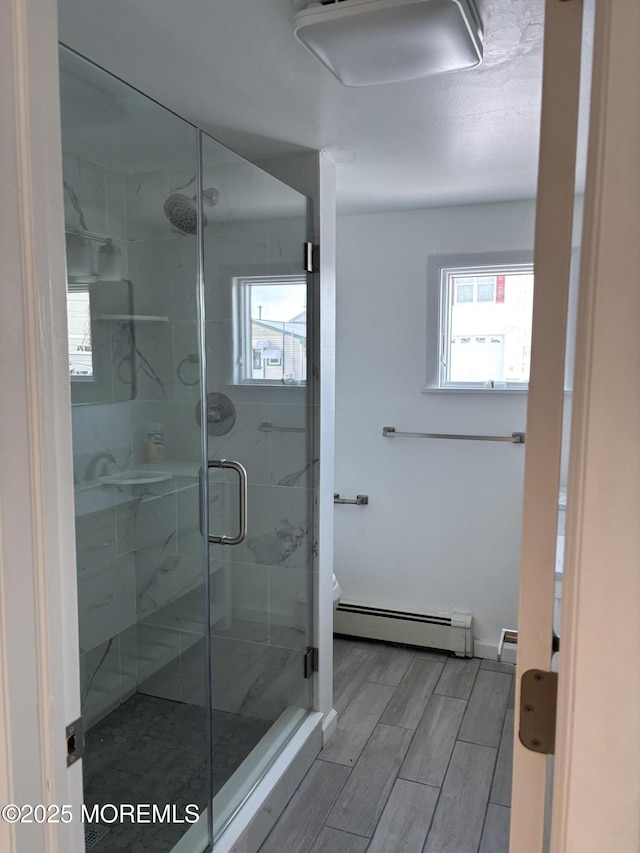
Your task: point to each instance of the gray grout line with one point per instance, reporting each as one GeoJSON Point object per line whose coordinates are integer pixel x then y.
{"type": "Point", "coordinates": [435, 808]}
{"type": "Point", "coordinates": [475, 742]}
{"type": "Point", "coordinates": [486, 808]}
{"type": "Point", "coordinates": [474, 682]}
{"type": "Point", "coordinates": [353, 766]}
{"type": "Point", "coordinates": [365, 679]}
{"type": "Point", "coordinates": [397, 775]}
{"type": "Point", "coordinates": [484, 819]}
{"type": "Point", "coordinates": [333, 802]}
{"type": "Point", "coordinates": [348, 777]}
{"type": "Point", "coordinates": [369, 738]}
{"type": "Point", "coordinates": [493, 775]}
{"type": "Point", "coordinates": [444, 778]}
{"type": "Point", "coordinates": [424, 784]}
{"type": "Point", "coordinates": [385, 804]}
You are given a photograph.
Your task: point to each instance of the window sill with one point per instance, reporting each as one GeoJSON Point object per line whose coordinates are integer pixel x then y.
{"type": "Point", "coordinates": [299, 387]}
{"type": "Point", "coordinates": [508, 392]}
{"type": "Point", "coordinates": [484, 391]}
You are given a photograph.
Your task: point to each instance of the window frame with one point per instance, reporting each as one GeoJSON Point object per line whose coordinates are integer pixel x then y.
{"type": "Point", "coordinates": [81, 288]}
{"type": "Point", "coordinates": [441, 268]}
{"type": "Point", "coordinates": [243, 350]}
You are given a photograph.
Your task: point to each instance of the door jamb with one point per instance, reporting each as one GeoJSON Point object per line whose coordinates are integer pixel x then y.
{"type": "Point", "coordinates": [596, 804]}
{"type": "Point", "coordinates": [39, 666]}
{"type": "Point", "coordinates": [545, 405]}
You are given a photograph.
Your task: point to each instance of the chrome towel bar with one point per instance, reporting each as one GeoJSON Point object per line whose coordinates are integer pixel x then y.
{"type": "Point", "coordinates": [267, 426]}
{"type": "Point", "coordinates": [360, 500]}
{"type": "Point", "coordinates": [514, 438]}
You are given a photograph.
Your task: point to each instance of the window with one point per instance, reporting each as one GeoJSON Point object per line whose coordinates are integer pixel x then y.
{"type": "Point", "coordinates": [475, 288]}
{"type": "Point", "coordinates": [79, 326]}
{"type": "Point", "coordinates": [270, 334]}
{"type": "Point", "coordinates": [479, 322]}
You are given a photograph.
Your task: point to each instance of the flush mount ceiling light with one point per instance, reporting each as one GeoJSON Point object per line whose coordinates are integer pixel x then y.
{"type": "Point", "coordinates": [365, 42]}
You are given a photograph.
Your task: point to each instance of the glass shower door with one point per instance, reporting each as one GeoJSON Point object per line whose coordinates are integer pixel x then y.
{"type": "Point", "coordinates": [134, 306]}
{"type": "Point", "coordinates": [259, 415]}
{"type": "Point", "coordinates": [184, 264]}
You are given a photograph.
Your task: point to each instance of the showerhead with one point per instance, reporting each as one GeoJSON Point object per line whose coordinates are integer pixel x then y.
{"type": "Point", "coordinates": [182, 213]}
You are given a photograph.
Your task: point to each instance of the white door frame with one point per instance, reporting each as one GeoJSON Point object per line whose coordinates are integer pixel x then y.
{"type": "Point", "coordinates": [596, 804]}
{"type": "Point", "coordinates": [39, 682]}
{"type": "Point", "coordinates": [596, 796]}
{"type": "Point", "coordinates": [545, 403]}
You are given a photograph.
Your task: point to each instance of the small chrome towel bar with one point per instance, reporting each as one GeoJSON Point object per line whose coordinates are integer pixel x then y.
{"type": "Point", "coordinates": [267, 426]}
{"type": "Point", "coordinates": [359, 500]}
{"type": "Point", "coordinates": [514, 438]}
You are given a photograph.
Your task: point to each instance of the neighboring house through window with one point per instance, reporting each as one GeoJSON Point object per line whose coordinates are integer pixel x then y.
{"type": "Point", "coordinates": [480, 311]}
{"type": "Point", "coordinates": [270, 336]}
{"type": "Point", "coordinates": [79, 327]}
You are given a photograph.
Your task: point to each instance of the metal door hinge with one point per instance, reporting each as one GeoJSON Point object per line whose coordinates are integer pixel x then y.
{"type": "Point", "coordinates": [538, 704]}
{"type": "Point", "coordinates": [74, 734]}
{"type": "Point", "coordinates": [311, 257]}
{"type": "Point", "coordinates": [310, 662]}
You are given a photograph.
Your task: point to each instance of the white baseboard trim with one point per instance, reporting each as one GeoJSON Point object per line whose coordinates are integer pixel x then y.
{"type": "Point", "coordinates": [489, 651]}
{"type": "Point", "coordinates": [329, 726]}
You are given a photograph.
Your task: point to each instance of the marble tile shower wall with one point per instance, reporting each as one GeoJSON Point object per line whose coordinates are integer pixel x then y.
{"type": "Point", "coordinates": [105, 553]}
{"type": "Point", "coordinates": [94, 199]}
{"type": "Point", "coordinates": [126, 535]}
{"type": "Point", "coordinates": [95, 202]}
{"type": "Point", "coordinates": [169, 554]}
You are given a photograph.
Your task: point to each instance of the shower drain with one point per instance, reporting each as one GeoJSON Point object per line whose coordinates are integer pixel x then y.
{"type": "Point", "coordinates": [93, 834]}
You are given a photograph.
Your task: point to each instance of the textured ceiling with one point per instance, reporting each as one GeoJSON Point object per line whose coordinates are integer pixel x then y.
{"type": "Point", "coordinates": [234, 68]}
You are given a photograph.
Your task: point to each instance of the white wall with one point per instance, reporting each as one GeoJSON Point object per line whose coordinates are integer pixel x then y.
{"type": "Point", "coordinates": [442, 529]}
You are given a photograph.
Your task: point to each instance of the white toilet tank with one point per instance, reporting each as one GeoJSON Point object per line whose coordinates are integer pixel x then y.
{"type": "Point", "coordinates": [337, 592]}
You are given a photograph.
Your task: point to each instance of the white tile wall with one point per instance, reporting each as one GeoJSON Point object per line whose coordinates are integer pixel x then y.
{"type": "Point", "coordinates": [106, 600]}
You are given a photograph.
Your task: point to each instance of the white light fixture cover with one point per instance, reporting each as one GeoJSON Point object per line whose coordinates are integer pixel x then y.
{"type": "Point", "coordinates": [365, 42]}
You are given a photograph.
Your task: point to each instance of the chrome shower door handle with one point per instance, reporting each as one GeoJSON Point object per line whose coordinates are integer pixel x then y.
{"type": "Point", "coordinates": [242, 475]}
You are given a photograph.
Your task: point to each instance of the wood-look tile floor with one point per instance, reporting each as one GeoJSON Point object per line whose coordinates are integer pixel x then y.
{"type": "Point", "coordinates": [420, 763]}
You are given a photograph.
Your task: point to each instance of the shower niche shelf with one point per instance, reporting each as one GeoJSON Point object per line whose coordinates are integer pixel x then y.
{"type": "Point", "coordinates": [136, 477]}
{"type": "Point", "coordinates": [88, 235]}
{"type": "Point", "coordinates": [137, 318]}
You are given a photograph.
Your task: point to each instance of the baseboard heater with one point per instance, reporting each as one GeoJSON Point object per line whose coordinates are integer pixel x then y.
{"type": "Point", "coordinates": [451, 632]}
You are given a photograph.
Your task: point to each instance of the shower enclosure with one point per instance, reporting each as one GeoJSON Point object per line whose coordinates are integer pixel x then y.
{"type": "Point", "coordinates": [189, 324]}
